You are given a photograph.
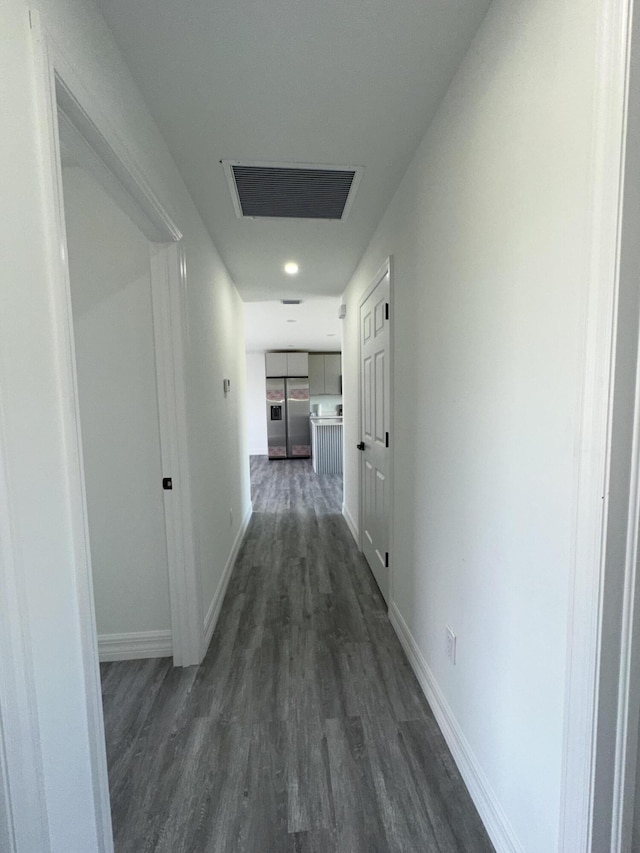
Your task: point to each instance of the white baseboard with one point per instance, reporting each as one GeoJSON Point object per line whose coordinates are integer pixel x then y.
{"type": "Point", "coordinates": [135, 645]}
{"type": "Point", "coordinates": [214, 608]}
{"type": "Point", "coordinates": [496, 822]}
{"type": "Point", "coordinates": [351, 524]}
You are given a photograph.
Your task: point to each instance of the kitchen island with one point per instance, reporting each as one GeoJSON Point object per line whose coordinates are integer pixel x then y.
{"type": "Point", "coordinates": [326, 444]}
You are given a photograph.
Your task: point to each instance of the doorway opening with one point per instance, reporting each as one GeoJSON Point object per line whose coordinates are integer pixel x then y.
{"type": "Point", "coordinates": [110, 278]}
{"type": "Point", "coordinates": [294, 400]}
{"type": "Point", "coordinates": [88, 161]}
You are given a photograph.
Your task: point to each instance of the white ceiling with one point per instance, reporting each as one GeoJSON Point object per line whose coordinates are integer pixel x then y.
{"type": "Point", "coordinates": [347, 82]}
{"type": "Point", "coordinates": [313, 325]}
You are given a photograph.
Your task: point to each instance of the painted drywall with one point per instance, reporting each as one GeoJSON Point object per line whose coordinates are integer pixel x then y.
{"type": "Point", "coordinates": [34, 409]}
{"type": "Point", "coordinates": [115, 358]}
{"type": "Point", "coordinates": [256, 406]}
{"type": "Point", "coordinates": [488, 236]}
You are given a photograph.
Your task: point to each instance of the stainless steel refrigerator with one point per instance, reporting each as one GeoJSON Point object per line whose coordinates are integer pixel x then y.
{"type": "Point", "coordinates": [288, 428]}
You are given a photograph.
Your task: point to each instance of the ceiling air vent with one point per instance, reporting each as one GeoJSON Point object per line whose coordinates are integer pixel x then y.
{"type": "Point", "coordinates": [290, 190]}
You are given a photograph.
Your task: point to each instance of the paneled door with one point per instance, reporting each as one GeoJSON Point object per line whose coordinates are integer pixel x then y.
{"type": "Point", "coordinates": [374, 431]}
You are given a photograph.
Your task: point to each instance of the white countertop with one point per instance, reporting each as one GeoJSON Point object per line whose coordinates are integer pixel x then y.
{"type": "Point", "coordinates": [326, 420]}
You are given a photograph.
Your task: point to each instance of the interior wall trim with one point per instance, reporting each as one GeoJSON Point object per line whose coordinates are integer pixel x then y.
{"type": "Point", "coordinates": [586, 628]}
{"type": "Point", "coordinates": [353, 528]}
{"type": "Point", "coordinates": [21, 785]}
{"type": "Point", "coordinates": [168, 299]}
{"type": "Point", "coordinates": [495, 820]}
{"type": "Point", "coordinates": [135, 645]}
{"type": "Point", "coordinates": [211, 619]}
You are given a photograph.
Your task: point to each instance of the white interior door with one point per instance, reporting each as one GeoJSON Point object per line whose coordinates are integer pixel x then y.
{"type": "Point", "coordinates": [374, 431]}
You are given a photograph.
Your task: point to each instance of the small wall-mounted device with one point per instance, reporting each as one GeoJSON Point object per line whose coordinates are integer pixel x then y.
{"type": "Point", "coordinates": [226, 385]}
{"type": "Point", "coordinates": [342, 312]}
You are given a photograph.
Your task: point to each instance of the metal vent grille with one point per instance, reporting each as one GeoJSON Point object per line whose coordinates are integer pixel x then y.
{"type": "Point", "coordinates": [290, 191]}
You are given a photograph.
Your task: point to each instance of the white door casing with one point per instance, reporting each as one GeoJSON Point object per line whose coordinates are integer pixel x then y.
{"type": "Point", "coordinates": [168, 274]}
{"type": "Point", "coordinates": [375, 414]}
{"type": "Point", "coordinates": [31, 767]}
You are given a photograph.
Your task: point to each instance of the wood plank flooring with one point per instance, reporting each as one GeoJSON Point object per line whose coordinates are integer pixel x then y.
{"type": "Point", "coordinates": [304, 729]}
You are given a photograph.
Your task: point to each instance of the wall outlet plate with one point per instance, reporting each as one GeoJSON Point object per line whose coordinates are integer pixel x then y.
{"type": "Point", "coordinates": [451, 645]}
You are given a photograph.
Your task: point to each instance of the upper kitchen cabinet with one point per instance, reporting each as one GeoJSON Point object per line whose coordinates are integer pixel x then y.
{"type": "Point", "coordinates": [297, 364]}
{"type": "Point", "coordinates": [276, 363]}
{"type": "Point", "coordinates": [316, 374]}
{"type": "Point", "coordinates": [287, 363]}
{"type": "Point", "coordinates": [325, 373]}
{"type": "Point", "coordinates": [333, 373]}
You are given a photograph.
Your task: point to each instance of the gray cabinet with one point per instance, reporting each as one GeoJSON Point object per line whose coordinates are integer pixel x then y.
{"type": "Point", "coordinates": [316, 374]}
{"type": "Point", "coordinates": [286, 363]}
{"type": "Point", "coordinates": [276, 363]}
{"type": "Point", "coordinates": [333, 373]}
{"type": "Point", "coordinates": [297, 364]}
{"type": "Point", "coordinates": [325, 371]}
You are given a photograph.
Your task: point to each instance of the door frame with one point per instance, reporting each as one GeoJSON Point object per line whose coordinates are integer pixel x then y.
{"type": "Point", "coordinates": [599, 645]}
{"type": "Point", "coordinates": [624, 576]}
{"type": "Point", "coordinates": [59, 87]}
{"type": "Point", "coordinates": [20, 754]}
{"type": "Point", "coordinates": [116, 173]}
{"type": "Point", "coordinates": [167, 268]}
{"type": "Point", "coordinates": [387, 268]}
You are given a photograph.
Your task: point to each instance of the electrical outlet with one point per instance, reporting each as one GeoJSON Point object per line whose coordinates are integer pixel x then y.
{"type": "Point", "coordinates": [230, 516]}
{"type": "Point", "coordinates": [451, 645]}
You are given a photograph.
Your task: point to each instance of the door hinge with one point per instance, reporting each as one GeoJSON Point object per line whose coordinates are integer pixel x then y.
{"type": "Point", "coordinates": [386, 310]}
{"type": "Point", "coordinates": [386, 439]}
{"type": "Point", "coordinates": [386, 559]}
{"type": "Point", "coordinates": [167, 484]}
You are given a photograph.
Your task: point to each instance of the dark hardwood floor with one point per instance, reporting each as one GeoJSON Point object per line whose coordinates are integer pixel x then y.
{"type": "Point", "coordinates": [304, 729]}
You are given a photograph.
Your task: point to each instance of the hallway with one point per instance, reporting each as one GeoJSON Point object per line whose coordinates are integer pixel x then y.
{"type": "Point", "coordinates": [304, 728]}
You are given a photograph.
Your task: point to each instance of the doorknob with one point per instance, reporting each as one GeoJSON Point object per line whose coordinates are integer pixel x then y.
{"type": "Point", "coordinates": [360, 446]}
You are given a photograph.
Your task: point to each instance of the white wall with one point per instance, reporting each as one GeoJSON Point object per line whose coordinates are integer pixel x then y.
{"type": "Point", "coordinates": [35, 414]}
{"type": "Point", "coordinates": [115, 355]}
{"type": "Point", "coordinates": [488, 233]}
{"type": "Point", "coordinates": [256, 404]}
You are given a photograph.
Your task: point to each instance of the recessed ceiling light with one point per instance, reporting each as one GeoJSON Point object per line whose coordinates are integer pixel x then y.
{"type": "Point", "coordinates": [291, 268]}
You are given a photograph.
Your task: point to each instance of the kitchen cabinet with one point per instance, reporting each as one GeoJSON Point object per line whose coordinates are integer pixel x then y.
{"type": "Point", "coordinates": [325, 371]}
{"type": "Point", "coordinates": [333, 373]}
{"type": "Point", "coordinates": [316, 374]}
{"type": "Point", "coordinates": [276, 363]}
{"type": "Point", "coordinates": [326, 445]}
{"type": "Point", "coordinates": [287, 363]}
{"type": "Point", "coordinates": [297, 364]}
